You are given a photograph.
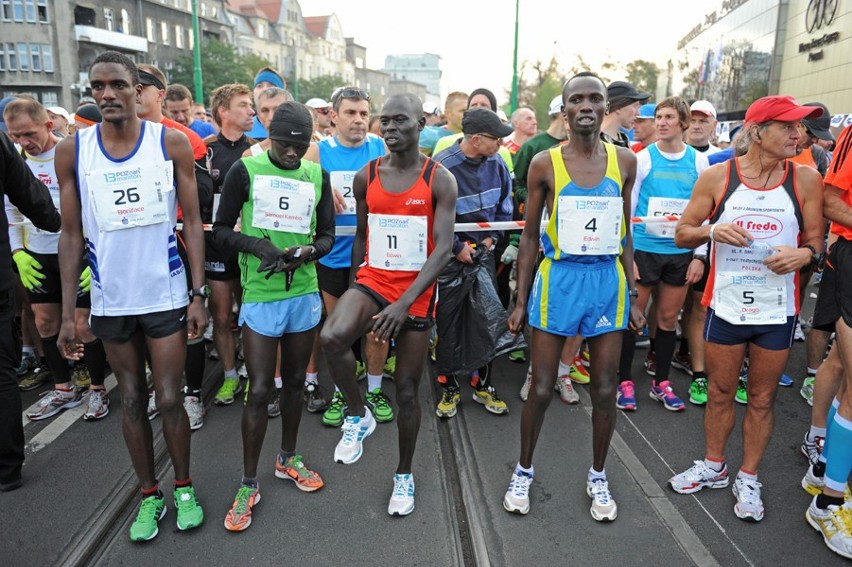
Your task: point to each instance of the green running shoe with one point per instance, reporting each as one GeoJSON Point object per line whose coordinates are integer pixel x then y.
{"type": "Point", "coordinates": [379, 404]}
{"type": "Point", "coordinates": [189, 512]}
{"type": "Point", "coordinates": [807, 390]}
{"type": "Point", "coordinates": [518, 356]}
{"type": "Point", "coordinates": [698, 391]}
{"type": "Point", "coordinates": [741, 397]}
{"type": "Point", "coordinates": [336, 411]}
{"type": "Point", "coordinates": [390, 366]}
{"type": "Point", "coordinates": [230, 388]}
{"type": "Point", "coordinates": [151, 511]}
{"type": "Point", "coordinates": [360, 370]}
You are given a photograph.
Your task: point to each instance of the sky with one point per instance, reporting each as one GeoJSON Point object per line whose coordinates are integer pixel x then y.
{"type": "Point", "coordinates": [476, 45]}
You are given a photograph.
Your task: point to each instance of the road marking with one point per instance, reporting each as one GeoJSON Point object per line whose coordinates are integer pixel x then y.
{"type": "Point", "coordinates": [60, 423]}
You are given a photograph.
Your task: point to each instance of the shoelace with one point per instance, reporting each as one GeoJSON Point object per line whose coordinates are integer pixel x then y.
{"type": "Point", "coordinates": [701, 385]}
{"type": "Point", "coordinates": [244, 494]}
{"type": "Point", "coordinates": [749, 491]}
{"type": "Point", "coordinates": [400, 487]}
{"type": "Point", "coordinates": [520, 484]}
{"type": "Point", "coordinates": [447, 396]}
{"type": "Point", "coordinates": [336, 403]}
{"type": "Point", "coordinates": [148, 510]}
{"type": "Point", "coordinates": [350, 431]}
{"type": "Point", "coordinates": [627, 390]}
{"type": "Point", "coordinates": [95, 400]}
{"type": "Point", "coordinates": [700, 471]}
{"type": "Point", "coordinates": [493, 393]}
{"type": "Point", "coordinates": [186, 499]}
{"type": "Point", "coordinates": [601, 491]}
{"type": "Point", "coordinates": [380, 399]}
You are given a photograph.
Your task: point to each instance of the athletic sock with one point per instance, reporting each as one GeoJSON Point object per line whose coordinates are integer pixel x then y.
{"type": "Point", "coordinates": [816, 432]}
{"type": "Point", "coordinates": [250, 481]}
{"type": "Point", "coordinates": [823, 501]}
{"type": "Point", "coordinates": [95, 359]}
{"type": "Point", "coordinates": [563, 369]}
{"type": "Point", "coordinates": [193, 367]}
{"type": "Point", "coordinates": [284, 455]}
{"type": "Point", "coordinates": [839, 463]}
{"type": "Point", "coordinates": [717, 466]}
{"type": "Point", "coordinates": [812, 372]}
{"type": "Point", "coordinates": [279, 383]}
{"type": "Point", "coordinates": [183, 483]}
{"type": "Point", "coordinates": [747, 475]}
{"type": "Point", "coordinates": [528, 471]}
{"type": "Point", "coordinates": [665, 351]}
{"type": "Point", "coordinates": [57, 364]}
{"type": "Point", "coordinates": [310, 378]}
{"type": "Point", "coordinates": [596, 475]}
{"type": "Point", "coordinates": [448, 381]}
{"type": "Point", "coordinates": [28, 349]}
{"type": "Point", "coordinates": [374, 381]}
{"type": "Point", "coordinates": [231, 374]}
{"type": "Point", "coordinates": [155, 491]}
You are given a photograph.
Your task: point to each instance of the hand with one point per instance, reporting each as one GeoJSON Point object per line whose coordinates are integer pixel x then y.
{"type": "Point", "coordinates": [196, 319]}
{"type": "Point", "coordinates": [510, 254]}
{"type": "Point", "coordinates": [695, 271]}
{"type": "Point", "coordinates": [733, 234]}
{"type": "Point", "coordinates": [67, 343]}
{"type": "Point", "coordinates": [517, 319]}
{"type": "Point", "coordinates": [465, 256]}
{"type": "Point", "coordinates": [487, 243]}
{"type": "Point", "coordinates": [268, 253]}
{"type": "Point", "coordinates": [788, 259]}
{"type": "Point", "coordinates": [389, 321]}
{"type": "Point", "coordinates": [86, 279]}
{"type": "Point", "coordinates": [637, 319]}
{"type": "Point", "coordinates": [339, 201]}
{"type": "Point", "coordinates": [28, 269]}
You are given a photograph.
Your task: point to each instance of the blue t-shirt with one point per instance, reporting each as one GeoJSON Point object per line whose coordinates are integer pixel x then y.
{"type": "Point", "coordinates": [203, 129]}
{"type": "Point", "coordinates": [258, 132]}
{"type": "Point", "coordinates": [721, 156]}
{"type": "Point", "coordinates": [430, 135]}
{"type": "Point", "coordinates": [342, 162]}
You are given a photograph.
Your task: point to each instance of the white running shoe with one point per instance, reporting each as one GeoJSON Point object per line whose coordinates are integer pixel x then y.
{"type": "Point", "coordinates": [812, 483]}
{"type": "Point", "coordinates": [525, 389]}
{"type": "Point", "coordinates": [566, 390]}
{"type": "Point", "coordinates": [355, 430]}
{"type": "Point", "coordinates": [835, 525]}
{"type": "Point", "coordinates": [54, 401]}
{"type": "Point", "coordinates": [517, 498]}
{"type": "Point", "coordinates": [194, 411]}
{"type": "Point", "coordinates": [699, 476]}
{"type": "Point", "coordinates": [603, 507]}
{"type": "Point", "coordinates": [402, 500]}
{"type": "Point", "coordinates": [152, 406]}
{"type": "Point", "coordinates": [98, 406]}
{"type": "Point", "coordinates": [749, 506]}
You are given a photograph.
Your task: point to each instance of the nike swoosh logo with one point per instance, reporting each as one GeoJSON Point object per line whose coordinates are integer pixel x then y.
{"type": "Point", "coordinates": [295, 133]}
{"type": "Point", "coordinates": [182, 318]}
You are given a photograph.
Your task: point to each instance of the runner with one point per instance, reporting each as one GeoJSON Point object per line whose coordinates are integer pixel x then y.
{"type": "Point", "coordinates": [581, 287]}
{"type": "Point", "coordinates": [139, 297]}
{"type": "Point", "coordinates": [283, 201]}
{"type": "Point", "coordinates": [766, 225]}
{"type": "Point", "coordinates": [399, 256]}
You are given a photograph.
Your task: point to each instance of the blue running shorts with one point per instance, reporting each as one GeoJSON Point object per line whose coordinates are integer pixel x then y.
{"type": "Point", "coordinates": [276, 318]}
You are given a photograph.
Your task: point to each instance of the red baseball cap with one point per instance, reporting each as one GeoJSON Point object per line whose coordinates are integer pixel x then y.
{"type": "Point", "coordinates": [781, 108]}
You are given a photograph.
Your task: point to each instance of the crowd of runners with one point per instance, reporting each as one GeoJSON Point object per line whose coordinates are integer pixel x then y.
{"type": "Point", "coordinates": [307, 238]}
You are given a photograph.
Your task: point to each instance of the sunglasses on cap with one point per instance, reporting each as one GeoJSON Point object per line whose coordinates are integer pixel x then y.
{"type": "Point", "coordinates": [323, 111]}
{"type": "Point", "coordinates": [354, 93]}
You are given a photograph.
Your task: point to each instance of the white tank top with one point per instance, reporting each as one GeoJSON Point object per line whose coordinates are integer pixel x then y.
{"type": "Point", "coordinates": [129, 211]}
{"type": "Point", "coordinates": [256, 149]}
{"type": "Point", "coordinates": [743, 290]}
{"type": "Point", "coordinates": [35, 239]}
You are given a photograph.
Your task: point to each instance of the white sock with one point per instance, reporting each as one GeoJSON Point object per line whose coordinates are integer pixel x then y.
{"type": "Point", "coordinates": [530, 471]}
{"type": "Point", "coordinates": [715, 465]}
{"type": "Point", "coordinates": [811, 371]}
{"type": "Point", "coordinates": [746, 476]}
{"type": "Point", "coordinates": [563, 368]}
{"type": "Point", "coordinates": [374, 381]}
{"type": "Point", "coordinates": [279, 383]}
{"type": "Point", "coordinates": [231, 374]}
{"type": "Point", "coordinates": [28, 349]}
{"type": "Point", "coordinates": [595, 475]}
{"type": "Point", "coordinates": [311, 378]}
{"type": "Point", "coordinates": [816, 432]}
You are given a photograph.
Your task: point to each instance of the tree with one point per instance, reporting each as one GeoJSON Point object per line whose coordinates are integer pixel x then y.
{"type": "Point", "coordinates": [221, 64]}
{"type": "Point", "coordinates": [643, 75]}
{"type": "Point", "coordinates": [321, 87]}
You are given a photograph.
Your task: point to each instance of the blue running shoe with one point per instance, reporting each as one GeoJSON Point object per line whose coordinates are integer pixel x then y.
{"type": "Point", "coordinates": [785, 381]}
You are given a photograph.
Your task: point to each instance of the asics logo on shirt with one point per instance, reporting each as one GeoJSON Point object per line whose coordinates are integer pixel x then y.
{"type": "Point", "coordinates": [415, 202]}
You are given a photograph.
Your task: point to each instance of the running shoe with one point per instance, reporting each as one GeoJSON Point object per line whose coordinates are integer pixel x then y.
{"type": "Point", "coordinates": [626, 397]}
{"type": "Point", "coordinates": [663, 392]}
{"type": "Point", "coordinates": [98, 405]}
{"type": "Point", "coordinates": [518, 356]}
{"type": "Point", "coordinates": [151, 511]}
{"type": "Point", "coordinates": [294, 469]}
{"type": "Point", "coordinates": [28, 363]}
{"type": "Point", "coordinates": [402, 499]}
{"type": "Point", "coordinates": [189, 512]}
{"type": "Point", "coordinates": [578, 372]}
{"type": "Point", "coordinates": [314, 400]}
{"type": "Point", "coordinates": [603, 507]}
{"type": "Point", "coordinates": [811, 450]}
{"type": "Point", "coordinates": [492, 402]}
{"type": "Point", "coordinates": [566, 390]}
{"type": "Point", "coordinates": [242, 371]}
{"type": "Point", "coordinates": [698, 391]}
{"type": "Point", "coordinates": [379, 404]}
{"type": "Point", "coordinates": [682, 362]}
{"type": "Point", "coordinates": [811, 483]}
{"type": "Point", "coordinates": [835, 525]}
{"type": "Point", "coordinates": [450, 399]}
{"type": "Point", "coordinates": [273, 407]}
{"type": "Point", "coordinates": [336, 411]}
{"type": "Point", "coordinates": [38, 376]}
{"type": "Point", "coordinates": [355, 430]}
{"type": "Point", "coordinates": [229, 390]}
{"type": "Point", "coordinates": [585, 357]}
{"type": "Point", "coordinates": [81, 376]}
{"type": "Point", "coordinates": [749, 506]}
{"type": "Point", "coordinates": [525, 389]}
{"type": "Point", "coordinates": [152, 406]}
{"type": "Point", "coordinates": [360, 370]}
{"type": "Point", "coordinates": [699, 476]}
{"type": "Point", "coordinates": [785, 381]}
{"type": "Point", "coordinates": [651, 363]}
{"type": "Point", "coordinates": [741, 397]}
{"type": "Point", "coordinates": [517, 497]}
{"type": "Point", "coordinates": [799, 334]}
{"type": "Point", "coordinates": [807, 390]}
{"type": "Point", "coordinates": [194, 411]}
{"type": "Point", "coordinates": [239, 516]}
{"type": "Point", "coordinates": [390, 367]}
{"type": "Point", "coordinates": [52, 402]}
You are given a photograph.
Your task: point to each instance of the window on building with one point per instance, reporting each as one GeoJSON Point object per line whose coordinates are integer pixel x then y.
{"type": "Point", "coordinates": [2, 56]}
{"type": "Point", "coordinates": [164, 33]}
{"type": "Point", "coordinates": [150, 30]}
{"type": "Point", "coordinates": [6, 10]}
{"type": "Point", "coordinates": [41, 6]}
{"type": "Point", "coordinates": [31, 11]}
{"type": "Point", "coordinates": [13, 56]}
{"type": "Point", "coordinates": [125, 21]}
{"type": "Point", "coordinates": [49, 99]}
{"type": "Point", "coordinates": [108, 23]}
{"type": "Point", "coordinates": [203, 9]}
{"type": "Point", "coordinates": [179, 36]}
{"type": "Point", "coordinates": [191, 35]}
{"type": "Point", "coordinates": [35, 56]}
{"type": "Point", "coordinates": [23, 57]}
{"type": "Point", "coordinates": [47, 58]}
{"type": "Point", "coordinates": [18, 10]}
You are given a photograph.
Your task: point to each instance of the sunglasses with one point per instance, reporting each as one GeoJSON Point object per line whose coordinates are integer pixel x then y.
{"type": "Point", "coordinates": [354, 93]}
{"type": "Point", "coordinates": [492, 138]}
{"type": "Point", "coordinates": [323, 111]}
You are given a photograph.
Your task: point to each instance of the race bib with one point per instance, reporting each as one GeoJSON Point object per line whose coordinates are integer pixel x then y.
{"type": "Point", "coordinates": [663, 206]}
{"type": "Point", "coordinates": [281, 204]}
{"type": "Point", "coordinates": [589, 226]}
{"type": "Point", "coordinates": [397, 242]}
{"type": "Point", "coordinates": [743, 298]}
{"type": "Point", "coordinates": [342, 182]}
{"type": "Point", "coordinates": [135, 196]}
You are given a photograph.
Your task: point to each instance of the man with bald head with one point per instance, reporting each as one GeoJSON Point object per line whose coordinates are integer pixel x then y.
{"type": "Point", "coordinates": [525, 127]}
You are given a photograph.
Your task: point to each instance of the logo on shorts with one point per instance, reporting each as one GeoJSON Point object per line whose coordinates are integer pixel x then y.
{"type": "Point", "coordinates": [603, 322]}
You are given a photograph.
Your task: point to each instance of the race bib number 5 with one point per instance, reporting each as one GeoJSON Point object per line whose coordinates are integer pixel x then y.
{"type": "Point", "coordinates": [135, 196]}
{"type": "Point", "coordinates": [341, 181]}
{"type": "Point", "coordinates": [743, 298]}
{"type": "Point", "coordinates": [282, 204]}
{"type": "Point", "coordinates": [589, 225]}
{"type": "Point", "coordinates": [397, 242]}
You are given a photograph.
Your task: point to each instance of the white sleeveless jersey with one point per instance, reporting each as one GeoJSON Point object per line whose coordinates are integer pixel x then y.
{"type": "Point", "coordinates": [752, 292]}
{"type": "Point", "coordinates": [129, 211]}
{"type": "Point", "coordinates": [35, 239]}
{"type": "Point", "coordinates": [256, 150]}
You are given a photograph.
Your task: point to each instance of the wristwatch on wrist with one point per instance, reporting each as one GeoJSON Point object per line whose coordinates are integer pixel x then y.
{"type": "Point", "coordinates": [702, 257]}
{"type": "Point", "coordinates": [203, 291]}
{"type": "Point", "coordinates": [816, 257]}
{"type": "Point", "coordinates": [633, 292]}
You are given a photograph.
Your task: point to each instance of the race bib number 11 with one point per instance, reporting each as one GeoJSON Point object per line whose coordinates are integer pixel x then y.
{"type": "Point", "coordinates": [397, 242]}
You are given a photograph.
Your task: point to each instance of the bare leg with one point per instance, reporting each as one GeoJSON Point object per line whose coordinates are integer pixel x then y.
{"type": "Point", "coordinates": [603, 351]}
{"type": "Point", "coordinates": [828, 380]}
{"type": "Point", "coordinates": [765, 367]}
{"type": "Point", "coordinates": [221, 306]}
{"type": "Point", "coordinates": [411, 356]}
{"type": "Point", "coordinates": [723, 370]}
{"type": "Point", "coordinates": [168, 355]}
{"type": "Point", "coordinates": [544, 354]}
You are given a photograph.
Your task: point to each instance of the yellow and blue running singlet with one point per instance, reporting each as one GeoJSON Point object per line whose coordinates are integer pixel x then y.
{"type": "Point", "coordinates": [580, 287]}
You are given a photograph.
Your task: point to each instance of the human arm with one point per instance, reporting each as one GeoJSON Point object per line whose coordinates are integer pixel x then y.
{"type": "Point", "coordinates": [708, 191]}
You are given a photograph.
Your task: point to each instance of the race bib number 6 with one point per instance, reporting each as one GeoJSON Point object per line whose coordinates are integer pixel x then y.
{"type": "Point", "coordinates": [397, 242]}
{"type": "Point", "coordinates": [589, 225]}
{"type": "Point", "coordinates": [282, 204]}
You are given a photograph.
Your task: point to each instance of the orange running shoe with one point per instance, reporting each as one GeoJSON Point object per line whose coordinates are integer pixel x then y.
{"type": "Point", "coordinates": [294, 469]}
{"type": "Point", "coordinates": [239, 516]}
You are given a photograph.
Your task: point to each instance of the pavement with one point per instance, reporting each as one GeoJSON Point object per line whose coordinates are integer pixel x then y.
{"type": "Point", "coordinates": [80, 494]}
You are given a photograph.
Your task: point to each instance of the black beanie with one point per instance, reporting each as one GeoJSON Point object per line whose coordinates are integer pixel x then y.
{"type": "Point", "coordinates": [491, 98]}
{"type": "Point", "coordinates": [292, 123]}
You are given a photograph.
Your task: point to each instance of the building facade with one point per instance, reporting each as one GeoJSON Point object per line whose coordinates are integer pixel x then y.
{"type": "Point", "coordinates": [424, 68]}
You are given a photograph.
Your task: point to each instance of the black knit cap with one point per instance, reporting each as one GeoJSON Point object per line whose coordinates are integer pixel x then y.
{"type": "Point", "coordinates": [488, 94]}
{"type": "Point", "coordinates": [292, 124]}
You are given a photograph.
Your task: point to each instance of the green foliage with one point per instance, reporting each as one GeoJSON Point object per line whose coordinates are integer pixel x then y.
{"type": "Point", "coordinates": [221, 64]}
{"type": "Point", "coordinates": [321, 87]}
{"type": "Point", "coordinates": [643, 75]}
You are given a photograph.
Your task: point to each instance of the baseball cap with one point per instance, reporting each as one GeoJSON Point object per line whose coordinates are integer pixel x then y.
{"type": "Point", "coordinates": [292, 123]}
{"type": "Point", "coordinates": [431, 108]}
{"type": "Point", "coordinates": [704, 107]}
{"type": "Point", "coordinates": [781, 108]}
{"type": "Point", "coordinates": [3, 104]}
{"type": "Point", "coordinates": [820, 126]}
{"type": "Point", "coordinates": [618, 90]}
{"type": "Point", "coordinates": [646, 111]}
{"type": "Point", "coordinates": [555, 106]}
{"type": "Point", "coordinates": [59, 111]}
{"type": "Point", "coordinates": [317, 103]}
{"type": "Point", "coordinates": [484, 121]}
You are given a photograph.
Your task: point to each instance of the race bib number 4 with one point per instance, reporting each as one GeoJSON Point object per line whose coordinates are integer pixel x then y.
{"type": "Point", "coordinates": [662, 206]}
{"type": "Point", "coordinates": [589, 225]}
{"type": "Point", "coordinates": [281, 204]}
{"type": "Point", "coordinates": [397, 242]}
{"type": "Point", "coordinates": [135, 196]}
{"type": "Point", "coordinates": [750, 299]}
{"type": "Point", "coordinates": [341, 181]}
